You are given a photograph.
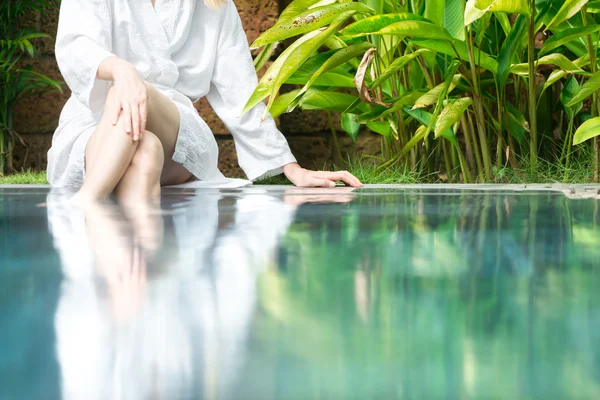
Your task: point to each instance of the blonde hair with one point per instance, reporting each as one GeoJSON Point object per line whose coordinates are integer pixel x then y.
{"type": "Point", "coordinates": [214, 4]}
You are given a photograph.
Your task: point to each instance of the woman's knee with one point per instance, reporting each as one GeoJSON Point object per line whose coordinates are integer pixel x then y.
{"type": "Point", "coordinates": [149, 156]}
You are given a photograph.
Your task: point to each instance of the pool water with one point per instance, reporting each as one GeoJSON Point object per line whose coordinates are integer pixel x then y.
{"type": "Point", "coordinates": [287, 293]}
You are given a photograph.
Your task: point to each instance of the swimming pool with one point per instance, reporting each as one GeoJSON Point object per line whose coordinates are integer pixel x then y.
{"type": "Point", "coordinates": [283, 293]}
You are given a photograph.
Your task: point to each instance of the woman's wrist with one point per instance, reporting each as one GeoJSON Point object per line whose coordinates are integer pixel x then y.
{"type": "Point", "coordinates": [291, 169]}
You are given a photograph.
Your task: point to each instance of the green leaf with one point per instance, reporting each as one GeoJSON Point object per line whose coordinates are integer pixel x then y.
{"type": "Point", "coordinates": [331, 79]}
{"type": "Point", "coordinates": [586, 90]}
{"type": "Point", "coordinates": [557, 75]}
{"type": "Point", "coordinates": [568, 9]}
{"type": "Point", "coordinates": [350, 126]}
{"type": "Point", "coordinates": [516, 123]}
{"type": "Point", "coordinates": [434, 11]}
{"type": "Point", "coordinates": [509, 49]}
{"type": "Point", "coordinates": [433, 96]}
{"type": "Point", "coordinates": [381, 127]}
{"type": "Point", "coordinates": [484, 60]}
{"type": "Point", "coordinates": [504, 23]}
{"type": "Point", "coordinates": [418, 136]}
{"type": "Point", "coordinates": [451, 114]}
{"type": "Point", "coordinates": [418, 29]}
{"type": "Point", "coordinates": [593, 7]}
{"type": "Point", "coordinates": [587, 130]}
{"type": "Point", "coordinates": [566, 36]}
{"type": "Point", "coordinates": [333, 101]}
{"type": "Point", "coordinates": [376, 23]}
{"type": "Point", "coordinates": [338, 58]}
{"type": "Point", "coordinates": [265, 85]}
{"type": "Point", "coordinates": [308, 21]}
{"type": "Point", "coordinates": [475, 9]}
{"type": "Point", "coordinates": [281, 103]}
{"type": "Point", "coordinates": [454, 21]}
{"type": "Point", "coordinates": [557, 59]}
{"type": "Point", "coordinates": [264, 56]}
{"type": "Point", "coordinates": [296, 8]}
{"type": "Point", "coordinates": [398, 64]}
{"type": "Point", "coordinates": [299, 55]}
{"type": "Point", "coordinates": [566, 95]}
{"type": "Point", "coordinates": [425, 118]}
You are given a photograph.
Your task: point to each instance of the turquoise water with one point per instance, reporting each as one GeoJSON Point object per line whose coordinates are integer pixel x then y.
{"type": "Point", "coordinates": [301, 294]}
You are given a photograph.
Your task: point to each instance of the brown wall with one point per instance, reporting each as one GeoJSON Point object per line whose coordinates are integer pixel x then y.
{"type": "Point", "coordinates": [308, 133]}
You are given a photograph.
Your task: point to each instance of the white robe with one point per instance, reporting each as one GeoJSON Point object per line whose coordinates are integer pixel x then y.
{"type": "Point", "coordinates": [186, 51]}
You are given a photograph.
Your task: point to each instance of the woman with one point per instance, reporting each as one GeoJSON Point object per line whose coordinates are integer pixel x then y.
{"type": "Point", "coordinates": [135, 68]}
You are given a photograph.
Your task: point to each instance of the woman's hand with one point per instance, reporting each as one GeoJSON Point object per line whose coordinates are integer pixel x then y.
{"type": "Point", "coordinates": [306, 178]}
{"type": "Point", "coordinates": [130, 97]}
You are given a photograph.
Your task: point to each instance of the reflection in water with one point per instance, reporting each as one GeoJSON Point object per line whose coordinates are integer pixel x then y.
{"type": "Point", "coordinates": [317, 294]}
{"type": "Point", "coordinates": [170, 311]}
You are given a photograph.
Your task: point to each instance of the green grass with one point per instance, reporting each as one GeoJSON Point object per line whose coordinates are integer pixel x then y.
{"type": "Point", "coordinates": [580, 171]}
{"type": "Point", "coordinates": [25, 178]}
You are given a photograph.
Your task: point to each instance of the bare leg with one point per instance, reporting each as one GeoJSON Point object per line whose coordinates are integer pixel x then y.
{"type": "Point", "coordinates": [107, 156]}
{"type": "Point", "coordinates": [112, 159]}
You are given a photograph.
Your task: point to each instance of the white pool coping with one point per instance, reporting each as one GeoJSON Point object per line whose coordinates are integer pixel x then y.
{"type": "Point", "coordinates": [572, 191]}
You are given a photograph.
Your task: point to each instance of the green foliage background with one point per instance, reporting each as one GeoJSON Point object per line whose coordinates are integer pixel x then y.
{"type": "Point", "coordinates": [463, 88]}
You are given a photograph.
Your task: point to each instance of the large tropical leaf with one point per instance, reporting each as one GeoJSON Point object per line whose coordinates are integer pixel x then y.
{"type": "Point", "coordinates": [298, 7]}
{"type": "Point", "coordinates": [560, 60]}
{"type": "Point", "coordinates": [557, 75]}
{"type": "Point", "coordinates": [338, 58]}
{"type": "Point", "coordinates": [568, 9]}
{"type": "Point", "coordinates": [398, 64]}
{"type": "Point", "coordinates": [509, 49]}
{"type": "Point", "coordinates": [265, 85]}
{"type": "Point", "coordinates": [428, 120]}
{"type": "Point", "coordinates": [451, 114]}
{"type": "Point", "coordinates": [376, 23]}
{"type": "Point", "coordinates": [593, 7]}
{"type": "Point", "coordinates": [569, 91]}
{"type": "Point", "coordinates": [454, 22]}
{"type": "Point", "coordinates": [281, 103]}
{"type": "Point", "coordinates": [417, 29]}
{"type": "Point", "coordinates": [381, 127]}
{"type": "Point", "coordinates": [483, 59]}
{"type": "Point", "coordinates": [433, 96]}
{"type": "Point", "coordinates": [587, 130]}
{"type": "Point", "coordinates": [331, 79]}
{"type": "Point", "coordinates": [475, 9]}
{"type": "Point", "coordinates": [592, 85]}
{"type": "Point", "coordinates": [326, 100]}
{"type": "Point", "coordinates": [264, 56]}
{"type": "Point", "coordinates": [309, 21]}
{"type": "Point", "coordinates": [566, 36]}
{"type": "Point", "coordinates": [350, 126]}
{"type": "Point", "coordinates": [434, 11]}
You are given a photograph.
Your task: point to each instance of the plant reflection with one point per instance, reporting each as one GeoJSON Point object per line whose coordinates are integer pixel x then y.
{"type": "Point", "coordinates": [332, 294]}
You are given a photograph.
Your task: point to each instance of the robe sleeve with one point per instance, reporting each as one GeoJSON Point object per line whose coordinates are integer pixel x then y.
{"type": "Point", "coordinates": [262, 149]}
{"type": "Point", "coordinates": [83, 41]}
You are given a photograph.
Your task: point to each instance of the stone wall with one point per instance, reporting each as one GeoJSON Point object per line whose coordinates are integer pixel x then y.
{"type": "Point", "coordinates": [308, 133]}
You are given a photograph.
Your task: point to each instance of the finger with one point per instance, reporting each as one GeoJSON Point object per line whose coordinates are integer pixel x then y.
{"type": "Point", "coordinates": [143, 117]}
{"type": "Point", "coordinates": [317, 182]}
{"type": "Point", "coordinates": [135, 122]}
{"type": "Point", "coordinates": [345, 177]}
{"type": "Point", "coordinates": [115, 113]}
{"type": "Point", "coordinates": [127, 118]}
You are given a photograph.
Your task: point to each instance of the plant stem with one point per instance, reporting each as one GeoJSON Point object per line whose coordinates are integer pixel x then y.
{"type": "Point", "coordinates": [336, 144]}
{"type": "Point", "coordinates": [532, 99]}
{"type": "Point", "coordinates": [595, 110]}
{"type": "Point", "coordinates": [479, 118]}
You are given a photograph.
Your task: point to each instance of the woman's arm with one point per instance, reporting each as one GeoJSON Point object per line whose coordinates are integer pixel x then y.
{"type": "Point", "coordinates": [85, 58]}
{"type": "Point", "coordinates": [262, 149]}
